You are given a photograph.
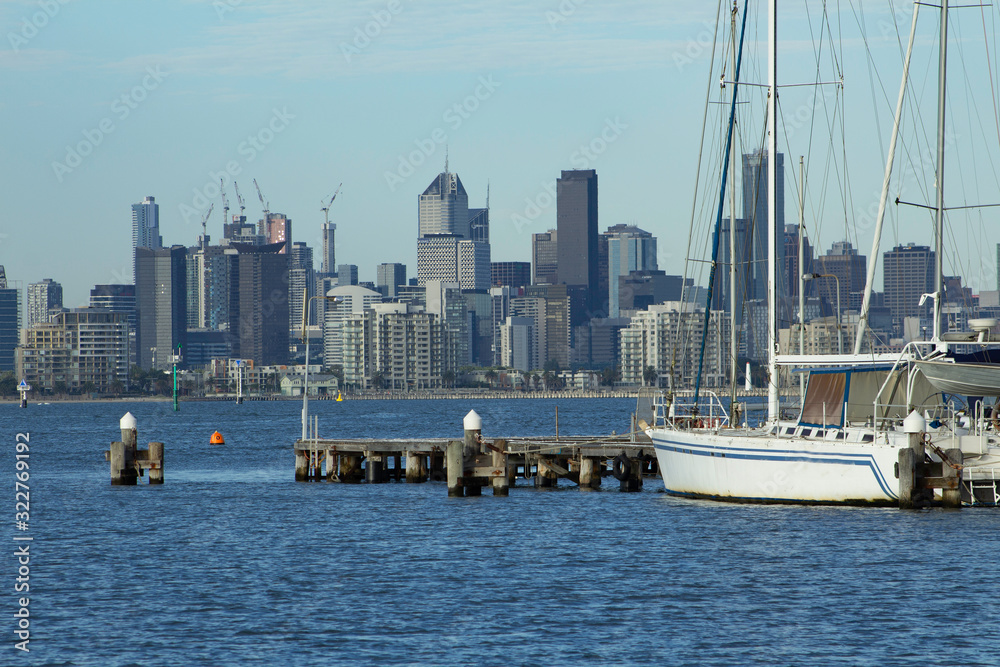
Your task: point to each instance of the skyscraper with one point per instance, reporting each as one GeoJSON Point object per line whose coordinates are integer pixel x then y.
{"type": "Point", "coordinates": [145, 227]}
{"type": "Point", "coordinates": [629, 249]}
{"type": "Point", "coordinates": [907, 273]}
{"type": "Point", "coordinates": [842, 260]}
{"type": "Point", "coordinates": [545, 258]}
{"type": "Point", "coordinates": [328, 262]}
{"type": "Point", "coordinates": [119, 299]}
{"type": "Point", "coordinates": [511, 274]}
{"type": "Point", "coordinates": [576, 222]}
{"type": "Point", "coordinates": [755, 213]}
{"type": "Point", "coordinates": [10, 321]}
{"type": "Point", "coordinates": [388, 278]}
{"type": "Point", "coordinates": [258, 303]}
{"type": "Point", "coordinates": [42, 298]}
{"type": "Point", "coordinates": [277, 229]}
{"type": "Point", "coordinates": [301, 281]}
{"type": "Point", "coordinates": [453, 243]}
{"type": "Point", "coordinates": [161, 302]}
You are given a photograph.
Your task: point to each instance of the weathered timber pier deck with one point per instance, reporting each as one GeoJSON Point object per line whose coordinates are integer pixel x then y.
{"type": "Point", "coordinates": [475, 462]}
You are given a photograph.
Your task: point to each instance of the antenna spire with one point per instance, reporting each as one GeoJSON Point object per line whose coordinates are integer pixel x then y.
{"type": "Point", "coordinates": [446, 158]}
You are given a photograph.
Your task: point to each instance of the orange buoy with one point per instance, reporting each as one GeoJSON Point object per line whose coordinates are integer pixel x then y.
{"type": "Point", "coordinates": [217, 439]}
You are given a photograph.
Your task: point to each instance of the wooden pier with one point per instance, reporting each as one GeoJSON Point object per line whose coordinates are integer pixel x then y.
{"type": "Point", "coordinates": [128, 462]}
{"type": "Point", "coordinates": [473, 463]}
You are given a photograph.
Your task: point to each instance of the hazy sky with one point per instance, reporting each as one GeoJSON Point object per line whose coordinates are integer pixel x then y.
{"type": "Point", "coordinates": [110, 101]}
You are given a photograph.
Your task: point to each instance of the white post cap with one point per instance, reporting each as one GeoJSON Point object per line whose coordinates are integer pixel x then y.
{"type": "Point", "coordinates": [128, 422]}
{"type": "Point", "coordinates": [472, 421]}
{"type": "Point", "coordinates": [914, 423]}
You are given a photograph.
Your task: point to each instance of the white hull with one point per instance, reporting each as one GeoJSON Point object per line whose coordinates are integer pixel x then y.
{"type": "Point", "coordinates": [756, 466]}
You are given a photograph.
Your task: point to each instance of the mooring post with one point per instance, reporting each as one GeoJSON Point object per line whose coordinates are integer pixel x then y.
{"type": "Point", "coordinates": [951, 470]}
{"type": "Point", "coordinates": [911, 462]}
{"type": "Point", "coordinates": [501, 483]}
{"type": "Point", "coordinates": [374, 468]}
{"type": "Point", "coordinates": [590, 477]}
{"type": "Point", "coordinates": [123, 470]}
{"type": "Point", "coordinates": [473, 425]}
{"type": "Point", "coordinates": [455, 467]}
{"type": "Point", "coordinates": [156, 463]}
{"type": "Point", "coordinates": [301, 465]}
{"type": "Point", "coordinates": [416, 470]}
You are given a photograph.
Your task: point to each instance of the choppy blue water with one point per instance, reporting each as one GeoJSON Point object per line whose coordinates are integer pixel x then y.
{"type": "Point", "coordinates": [230, 562]}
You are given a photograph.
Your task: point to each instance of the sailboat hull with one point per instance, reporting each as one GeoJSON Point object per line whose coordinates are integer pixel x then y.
{"type": "Point", "coordinates": [759, 467]}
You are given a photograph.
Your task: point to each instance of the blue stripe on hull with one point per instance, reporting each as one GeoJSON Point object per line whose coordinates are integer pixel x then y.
{"type": "Point", "coordinates": [782, 455]}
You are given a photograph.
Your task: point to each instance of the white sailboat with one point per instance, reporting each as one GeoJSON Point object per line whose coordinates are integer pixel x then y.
{"type": "Point", "coordinates": [858, 411]}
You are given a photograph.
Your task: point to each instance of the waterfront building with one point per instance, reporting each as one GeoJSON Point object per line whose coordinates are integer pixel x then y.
{"type": "Point", "coordinates": [83, 349]}
{"type": "Point", "coordinates": [119, 299]}
{"type": "Point", "coordinates": [351, 300]}
{"type": "Point", "coordinates": [10, 321]}
{"type": "Point", "coordinates": [43, 298]}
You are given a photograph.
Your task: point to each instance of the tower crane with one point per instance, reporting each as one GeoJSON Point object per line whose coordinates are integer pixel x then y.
{"type": "Point", "coordinates": [204, 226]}
{"type": "Point", "coordinates": [239, 198]}
{"type": "Point", "coordinates": [326, 209]}
{"type": "Point", "coordinates": [225, 203]}
{"type": "Point", "coordinates": [267, 211]}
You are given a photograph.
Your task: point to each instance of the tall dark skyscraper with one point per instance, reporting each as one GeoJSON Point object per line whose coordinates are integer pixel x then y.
{"type": "Point", "coordinates": [258, 303]}
{"type": "Point", "coordinates": [576, 225]}
{"type": "Point", "coordinates": [755, 213]}
{"type": "Point", "coordinates": [10, 322]}
{"type": "Point", "coordinates": [908, 273]}
{"type": "Point", "coordinates": [145, 227]}
{"type": "Point", "coordinates": [161, 302]}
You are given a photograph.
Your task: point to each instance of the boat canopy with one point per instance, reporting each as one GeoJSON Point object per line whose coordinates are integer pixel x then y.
{"type": "Point", "coordinates": [837, 396]}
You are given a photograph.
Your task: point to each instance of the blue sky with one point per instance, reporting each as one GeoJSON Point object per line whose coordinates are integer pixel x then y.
{"type": "Point", "coordinates": [165, 96]}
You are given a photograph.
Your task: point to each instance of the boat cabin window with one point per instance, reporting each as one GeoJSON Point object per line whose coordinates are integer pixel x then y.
{"type": "Point", "coordinates": [789, 430]}
{"type": "Point", "coordinates": [806, 432]}
{"type": "Point", "coordinates": [867, 437]}
{"type": "Point", "coordinates": [841, 435]}
{"type": "Point", "coordinates": [820, 433]}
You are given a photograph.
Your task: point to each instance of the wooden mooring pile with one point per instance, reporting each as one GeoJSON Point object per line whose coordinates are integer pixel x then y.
{"type": "Point", "coordinates": [128, 461]}
{"type": "Point", "coordinates": [473, 463]}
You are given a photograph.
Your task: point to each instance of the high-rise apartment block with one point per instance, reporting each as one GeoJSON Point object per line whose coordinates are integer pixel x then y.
{"type": "Point", "coordinates": [630, 249]}
{"type": "Point", "coordinates": [145, 227]}
{"type": "Point", "coordinates": [851, 269]}
{"type": "Point", "coordinates": [277, 228]}
{"type": "Point", "coordinates": [161, 302]}
{"type": "Point", "coordinates": [301, 285]}
{"type": "Point", "coordinates": [907, 274]}
{"type": "Point", "coordinates": [10, 321]}
{"type": "Point", "coordinates": [258, 304]}
{"type": "Point", "coordinates": [43, 298]}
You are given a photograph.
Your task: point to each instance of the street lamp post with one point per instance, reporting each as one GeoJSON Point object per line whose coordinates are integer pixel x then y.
{"type": "Point", "coordinates": [840, 337]}
{"type": "Point", "coordinates": [306, 302]}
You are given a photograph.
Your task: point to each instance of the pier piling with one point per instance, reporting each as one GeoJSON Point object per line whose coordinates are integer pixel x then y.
{"type": "Point", "coordinates": [416, 468]}
{"type": "Point", "coordinates": [128, 461]}
{"type": "Point", "coordinates": [454, 465]}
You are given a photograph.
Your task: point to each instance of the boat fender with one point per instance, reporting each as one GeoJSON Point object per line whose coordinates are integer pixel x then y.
{"type": "Point", "coordinates": [621, 467]}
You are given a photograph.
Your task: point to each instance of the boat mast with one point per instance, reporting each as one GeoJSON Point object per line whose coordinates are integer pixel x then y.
{"type": "Point", "coordinates": [873, 260]}
{"type": "Point", "coordinates": [732, 233]}
{"type": "Point", "coordinates": [939, 213]}
{"type": "Point", "coordinates": [801, 271]}
{"type": "Point", "coordinates": [772, 240]}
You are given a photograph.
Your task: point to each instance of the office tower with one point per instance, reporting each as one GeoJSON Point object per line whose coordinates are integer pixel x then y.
{"type": "Point", "coordinates": [119, 299]}
{"type": "Point", "coordinates": [43, 297]}
{"type": "Point", "coordinates": [792, 272]}
{"type": "Point", "coordinates": [630, 249]}
{"type": "Point", "coordinates": [347, 274]}
{"type": "Point", "coordinates": [841, 260]}
{"type": "Point", "coordinates": [258, 303]}
{"type": "Point", "coordinates": [908, 273]}
{"type": "Point", "coordinates": [577, 253]}
{"type": "Point", "coordinates": [351, 300]}
{"type": "Point", "coordinates": [553, 327]}
{"type": "Point", "coordinates": [10, 321]}
{"type": "Point", "coordinates": [145, 227]}
{"type": "Point", "coordinates": [389, 277]}
{"type": "Point", "coordinates": [83, 349]}
{"type": "Point", "coordinates": [301, 285]}
{"type": "Point", "coordinates": [453, 243]}
{"type": "Point", "coordinates": [328, 262]}
{"type": "Point", "coordinates": [755, 212]}
{"type": "Point", "coordinates": [161, 302]}
{"type": "Point", "coordinates": [277, 229]}
{"type": "Point", "coordinates": [510, 274]}
{"type": "Point", "coordinates": [545, 258]}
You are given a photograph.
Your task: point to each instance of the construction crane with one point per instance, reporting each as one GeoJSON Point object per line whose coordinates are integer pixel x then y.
{"type": "Point", "coordinates": [225, 203]}
{"type": "Point", "coordinates": [239, 198]}
{"type": "Point", "coordinates": [204, 226]}
{"type": "Point", "coordinates": [326, 209]}
{"type": "Point", "coordinates": [267, 211]}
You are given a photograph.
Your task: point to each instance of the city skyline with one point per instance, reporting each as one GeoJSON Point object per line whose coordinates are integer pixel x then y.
{"type": "Point", "coordinates": [375, 95]}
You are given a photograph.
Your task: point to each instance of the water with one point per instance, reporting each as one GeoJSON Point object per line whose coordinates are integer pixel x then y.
{"type": "Point", "coordinates": [232, 563]}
